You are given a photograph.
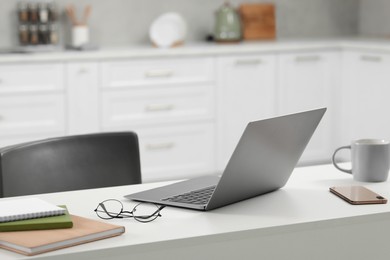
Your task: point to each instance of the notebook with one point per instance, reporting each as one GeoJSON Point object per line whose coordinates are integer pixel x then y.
{"type": "Point", "coordinates": [262, 161]}
{"type": "Point", "coordinates": [39, 241]}
{"type": "Point", "coordinates": [28, 208]}
{"type": "Point", "coordinates": [53, 222]}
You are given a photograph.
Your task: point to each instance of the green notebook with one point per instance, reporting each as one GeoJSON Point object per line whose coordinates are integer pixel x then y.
{"type": "Point", "coordinates": [61, 221]}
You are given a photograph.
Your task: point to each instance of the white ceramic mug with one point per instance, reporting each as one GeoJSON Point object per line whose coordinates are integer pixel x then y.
{"type": "Point", "coordinates": [370, 160]}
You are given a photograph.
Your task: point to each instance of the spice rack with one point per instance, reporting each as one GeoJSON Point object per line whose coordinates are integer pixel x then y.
{"type": "Point", "coordinates": [37, 23]}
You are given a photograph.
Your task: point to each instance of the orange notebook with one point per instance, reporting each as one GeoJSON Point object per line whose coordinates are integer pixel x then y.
{"type": "Point", "coordinates": [39, 241]}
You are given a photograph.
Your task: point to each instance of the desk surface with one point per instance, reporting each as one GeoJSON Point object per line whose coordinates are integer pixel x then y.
{"type": "Point", "coordinates": [304, 204]}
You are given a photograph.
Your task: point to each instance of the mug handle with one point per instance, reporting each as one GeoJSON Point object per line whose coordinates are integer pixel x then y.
{"type": "Point", "coordinates": [334, 159]}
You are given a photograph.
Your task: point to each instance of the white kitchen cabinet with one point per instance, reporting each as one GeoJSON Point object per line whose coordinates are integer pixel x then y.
{"type": "Point", "coordinates": [27, 118]}
{"type": "Point", "coordinates": [175, 151]}
{"type": "Point", "coordinates": [83, 97]}
{"type": "Point", "coordinates": [32, 102]}
{"type": "Point", "coordinates": [156, 105]}
{"type": "Point", "coordinates": [170, 104]}
{"type": "Point", "coordinates": [190, 110]}
{"type": "Point", "coordinates": [157, 71]}
{"type": "Point", "coordinates": [366, 85]}
{"type": "Point", "coordinates": [245, 92]}
{"type": "Point", "coordinates": [309, 80]}
{"type": "Point", "coordinates": [31, 78]}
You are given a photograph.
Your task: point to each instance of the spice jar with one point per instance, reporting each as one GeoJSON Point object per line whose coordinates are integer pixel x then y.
{"type": "Point", "coordinates": [23, 34]}
{"type": "Point", "coordinates": [44, 37]}
{"type": "Point", "coordinates": [33, 12]}
{"type": "Point", "coordinates": [34, 39]}
{"type": "Point", "coordinates": [53, 34]}
{"type": "Point", "coordinates": [52, 9]}
{"type": "Point", "coordinates": [23, 12]}
{"type": "Point", "coordinates": [43, 13]}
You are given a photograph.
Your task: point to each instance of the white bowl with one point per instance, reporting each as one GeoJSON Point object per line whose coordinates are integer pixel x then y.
{"type": "Point", "coordinates": [167, 30]}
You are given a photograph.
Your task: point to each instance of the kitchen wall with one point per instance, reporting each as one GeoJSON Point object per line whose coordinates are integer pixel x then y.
{"type": "Point", "coordinates": [374, 18]}
{"type": "Point", "coordinates": [126, 22]}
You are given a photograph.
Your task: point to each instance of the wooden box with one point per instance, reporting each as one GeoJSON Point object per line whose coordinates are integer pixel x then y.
{"type": "Point", "coordinates": [258, 21]}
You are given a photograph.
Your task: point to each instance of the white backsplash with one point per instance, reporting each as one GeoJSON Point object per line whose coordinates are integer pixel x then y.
{"type": "Point", "coordinates": [126, 22]}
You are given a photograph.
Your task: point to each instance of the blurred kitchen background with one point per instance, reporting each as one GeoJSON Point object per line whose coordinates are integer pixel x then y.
{"type": "Point", "coordinates": [190, 104]}
{"type": "Point", "coordinates": [126, 22]}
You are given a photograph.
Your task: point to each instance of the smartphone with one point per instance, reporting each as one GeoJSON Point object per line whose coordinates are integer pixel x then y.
{"type": "Point", "coordinates": [358, 195]}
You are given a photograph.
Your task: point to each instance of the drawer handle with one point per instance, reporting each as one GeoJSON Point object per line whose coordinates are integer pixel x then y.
{"type": "Point", "coordinates": [371, 58]}
{"type": "Point", "coordinates": [311, 58]}
{"type": "Point", "coordinates": [160, 146]}
{"type": "Point", "coordinates": [248, 62]}
{"type": "Point", "coordinates": [159, 107]}
{"type": "Point", "coordinates": [159, 74]}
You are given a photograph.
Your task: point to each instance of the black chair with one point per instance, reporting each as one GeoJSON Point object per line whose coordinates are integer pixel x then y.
{"type": "Point", "coordinates": [70, 163]}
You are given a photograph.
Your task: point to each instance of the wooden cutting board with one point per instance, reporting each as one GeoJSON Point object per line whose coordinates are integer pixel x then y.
{"type": "Point", "coordinates": [258, 21]}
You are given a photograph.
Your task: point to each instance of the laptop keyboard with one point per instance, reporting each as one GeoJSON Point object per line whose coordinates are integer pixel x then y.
{"type": "Point", "coordinates": [201, 196]}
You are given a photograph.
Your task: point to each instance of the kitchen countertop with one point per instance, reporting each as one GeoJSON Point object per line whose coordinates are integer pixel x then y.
{"type": "Point", "coordinates": [199, 49]}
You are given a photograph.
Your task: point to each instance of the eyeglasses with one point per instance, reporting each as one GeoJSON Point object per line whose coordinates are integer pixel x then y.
{"type": "Point", "coordinates": [142, 212]}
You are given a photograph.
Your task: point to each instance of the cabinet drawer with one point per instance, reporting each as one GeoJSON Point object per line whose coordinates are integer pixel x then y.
{"type": "Point", "coordinates": [157, 105]}
{"type": "Point", "coordinates": [157, 71]}
{"type": "Point", "coordinates": [31, 114]}
{"type": "Point", "coordinates": [177, 151]}
{"type": "Point", "coordinates": [31, 77]}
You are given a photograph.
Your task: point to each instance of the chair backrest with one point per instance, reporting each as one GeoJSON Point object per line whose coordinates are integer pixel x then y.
{"type": "Point", "coordinates": [70, 163]}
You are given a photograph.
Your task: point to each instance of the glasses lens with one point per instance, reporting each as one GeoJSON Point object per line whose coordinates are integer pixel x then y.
{"type": "Point", "coordinates": [109, 209]}
{"type": "Point", "coordinates": [146, 212]}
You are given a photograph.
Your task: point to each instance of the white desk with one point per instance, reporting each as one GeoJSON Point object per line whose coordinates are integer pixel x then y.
{"type": "Point", "coordinates": [303, 220]}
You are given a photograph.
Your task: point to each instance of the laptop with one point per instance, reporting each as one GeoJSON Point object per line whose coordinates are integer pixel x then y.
{"type": "Point", "coordinates": [262, 162]}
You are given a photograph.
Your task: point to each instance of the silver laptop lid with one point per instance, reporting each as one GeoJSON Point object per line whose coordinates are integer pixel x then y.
{"type": "Point", "coordinates": [265, 156]}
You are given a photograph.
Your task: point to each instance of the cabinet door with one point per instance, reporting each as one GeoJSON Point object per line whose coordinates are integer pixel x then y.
{"type": "Point", "coordinates": [31, 78]}
{"type": "Point", "coordinates": [157, 72]}
{"type": "Point", "coordinates": [32, 102]}
{"type": "Point", "coordinates": [83, 97]}
{"type": "Point", "coordinates": [307, 81]}
{"type": "Point", "coordinates": [156, 105]}
{"type": "Point", "coordinates": [367, 91]}
{"type": "Point", "coordinates": [246, 92]}
{"type": "Point", "coordinates": [176, 151]}
{"type": "Point", "coordinates": [29, 117]}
